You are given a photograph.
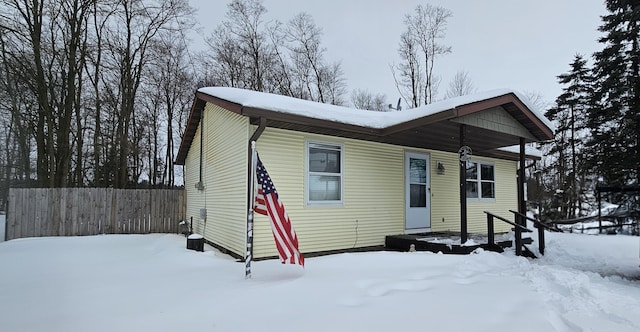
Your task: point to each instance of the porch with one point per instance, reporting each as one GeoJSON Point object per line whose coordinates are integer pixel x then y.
{"type": "Point", "coordinates": [462, 243]}
{"type": "Point", "coordinates": [449, 242]}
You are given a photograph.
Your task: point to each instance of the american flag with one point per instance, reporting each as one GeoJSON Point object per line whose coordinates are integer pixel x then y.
{"type": "Point", "coordinates": [268, 203]}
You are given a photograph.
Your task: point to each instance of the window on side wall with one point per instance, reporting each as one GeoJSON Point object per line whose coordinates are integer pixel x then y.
{"type": "Point", "coordinates": [324, 173]}
{"type": "Point", "coordinates": [481, 181]}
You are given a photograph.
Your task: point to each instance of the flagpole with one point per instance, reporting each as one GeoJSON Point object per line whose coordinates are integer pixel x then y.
{"type": "Point", "coordinates": [249, 253]}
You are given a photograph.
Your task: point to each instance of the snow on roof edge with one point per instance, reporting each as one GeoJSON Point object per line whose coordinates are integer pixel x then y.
{"type": "Point", "coordinates": [528, 150]}
{"type": "Point", "coordinates": [352, 116]}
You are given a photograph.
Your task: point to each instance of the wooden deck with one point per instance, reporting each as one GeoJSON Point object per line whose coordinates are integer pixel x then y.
{"type": "Point", "coordinates": [447, 242]}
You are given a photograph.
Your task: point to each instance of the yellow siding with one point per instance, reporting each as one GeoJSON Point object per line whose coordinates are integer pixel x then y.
{"type": "Point", "coordinates": [195, 200]}
{"type": "Point", "coordinates": [373, 194]}
{"type": "Point", "coordinates": [445, 195]}
{"type": "Point", "coordinates": [224, 177]}
{"type": "Point", "coordinates": [506, 198]}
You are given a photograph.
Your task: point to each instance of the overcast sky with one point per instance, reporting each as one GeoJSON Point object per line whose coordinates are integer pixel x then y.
{"type": "Point", "coordinates": [516, 44]}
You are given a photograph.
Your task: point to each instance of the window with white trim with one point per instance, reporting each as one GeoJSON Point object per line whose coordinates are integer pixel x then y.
{"type": "Point", "coordinates": [481, 180]}
{"type": "Point", "coordinates": [324, 173]}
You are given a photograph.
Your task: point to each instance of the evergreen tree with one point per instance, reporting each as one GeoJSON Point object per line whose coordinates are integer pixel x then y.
{"type": "Point", "coordinates": [614, 148]}
{"type": "Point", "coordinates": [569, 113]}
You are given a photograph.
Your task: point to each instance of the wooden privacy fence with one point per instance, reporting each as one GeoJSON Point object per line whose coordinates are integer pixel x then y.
{"type": "Point", "coordinates": [90, 211]}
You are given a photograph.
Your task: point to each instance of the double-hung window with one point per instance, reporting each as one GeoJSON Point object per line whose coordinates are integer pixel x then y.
{"type": "Point", "coordinates": [324, 173]}
{"type": "Point", "coordinates": [481, 180]}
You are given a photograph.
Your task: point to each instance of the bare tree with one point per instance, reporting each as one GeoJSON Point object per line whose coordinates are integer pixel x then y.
{"type": "Point", "coordinates": [51, 52]}
{"type": "Point", "coordinates": [71, 72]}
{"type": "Point", "coordinates": [419, 46]}
{"type": "Point", "coordinates": [53, 34]}
{"type": "Point", "coordinates": [536, 100]}
{"type": "Point", "coordinates": [100, 94]}
{"type": "Point", "coordinates": [246, 18]}
{"type": "Point", "coordinates": [308, 54]}
{"type": "Point", "coordinates": [165, 103]}
{"type": "Point", "coordinates": [334, 84]}
{"type": "Point", "coordinates": [240, 54]}
{"type": "Point", "coordinates": [138, 25]}
{"type": "Point", "coordinates": [225, 64]}
{"type": "Point", "coordinates": [17, 109]}
{"type": "Point", "coordinates": [364, 99]}
{"type": "Point", "coordinates": [313, 77]}
{"type": "Point", "coordinates": [289, 59]}
{"type": "Point", "coordinates": [460, 85]}
{"type": "Point", "coordinates": [408, 79]}
{"type": "Point", "coordinates": [281, 74]}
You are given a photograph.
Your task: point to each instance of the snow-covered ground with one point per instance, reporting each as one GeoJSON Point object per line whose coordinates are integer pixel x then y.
{"type": "Point", "coordinates": [153, 283]}
{"type": "Point", "coordinates": [590, 227]}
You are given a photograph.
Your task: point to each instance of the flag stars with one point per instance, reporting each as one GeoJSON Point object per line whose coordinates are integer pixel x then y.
{"type": "Point", "coordinates": [264, 180]}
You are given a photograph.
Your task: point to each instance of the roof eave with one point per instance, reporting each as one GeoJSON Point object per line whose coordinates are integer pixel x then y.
{"type": "Point", "coordinates": [426, 120]}
{"type": "Point", "coordinates": [270, 115]}
{"type": "Point", "coordinates": [510, 101]}
{"type": "Point", "coordinates": [253, 112]}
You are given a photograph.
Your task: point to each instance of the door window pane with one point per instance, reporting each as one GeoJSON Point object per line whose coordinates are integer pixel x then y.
{"type": "Point", "coordinates": [418, 170]}
{"type": "Point", "coordinates": [418, 195]}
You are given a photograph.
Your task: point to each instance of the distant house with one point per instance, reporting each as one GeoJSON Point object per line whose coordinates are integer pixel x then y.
{"type": "Point", "coordinates": [350, 177]}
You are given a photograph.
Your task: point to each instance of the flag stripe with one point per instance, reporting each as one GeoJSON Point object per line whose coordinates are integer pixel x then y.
{"type": "Point", "coordinates": [267, 202]}
{"type": "Point", "coordinates": [283, 238]}
{"type": "Point", "coordinates": [280, 226]}
{"type": "Point", "coordinates": [259, 206]}
{"type": "Point", "coordinates": [287, 228]}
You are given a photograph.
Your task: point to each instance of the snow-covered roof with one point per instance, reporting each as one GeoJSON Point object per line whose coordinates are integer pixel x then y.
{"type": "Point", "coordinates": [358, 117]}
{"type": "Point", "coordinates": [426, 127]}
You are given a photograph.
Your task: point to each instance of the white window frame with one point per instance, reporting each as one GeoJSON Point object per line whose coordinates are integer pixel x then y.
{"type": "Point", "coordinates": [332, 146]}
{"type": "Point", "coordinates": [479, 181]}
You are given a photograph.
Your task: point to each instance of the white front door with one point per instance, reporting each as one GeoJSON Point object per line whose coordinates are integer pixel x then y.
{"type": "Point", "coordinates": [417, 192]}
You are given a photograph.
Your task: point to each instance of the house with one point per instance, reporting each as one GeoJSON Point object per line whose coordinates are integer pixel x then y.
{"type": "Point", "coordinates": [349, 177]}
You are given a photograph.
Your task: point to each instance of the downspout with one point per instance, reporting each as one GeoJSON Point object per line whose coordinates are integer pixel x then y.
{"type": "Point", "coordinates": [258, 132]}
{"type": "Point", "coordinates": [254, 137]}
{"type": "Point", "coordinates": [200, 184]}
